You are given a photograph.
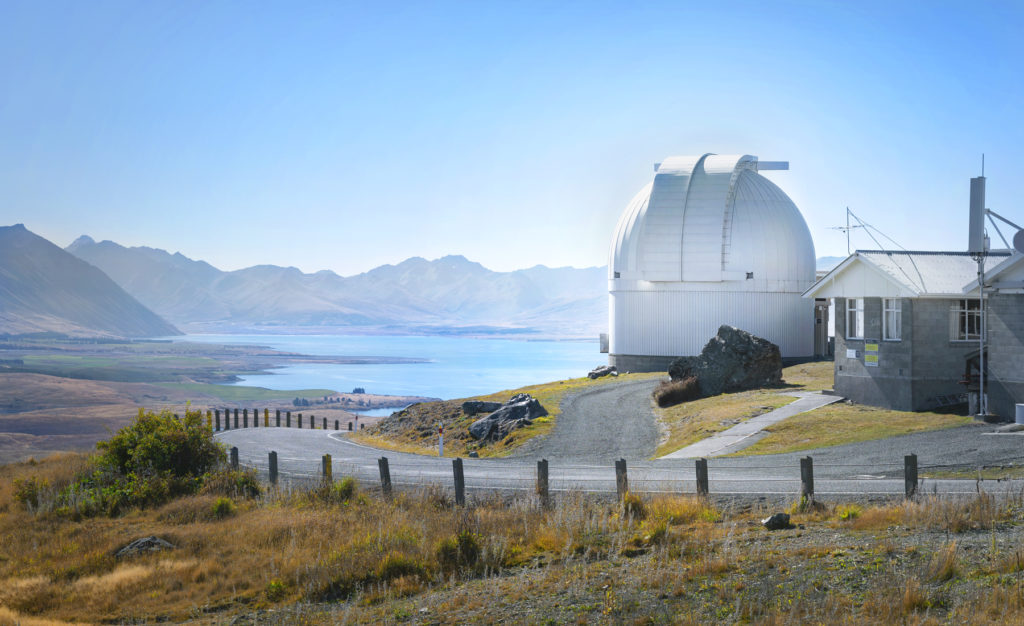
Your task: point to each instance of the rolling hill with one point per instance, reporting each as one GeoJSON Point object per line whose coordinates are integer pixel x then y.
{"type": "Point", "coordinates": [45, 289]}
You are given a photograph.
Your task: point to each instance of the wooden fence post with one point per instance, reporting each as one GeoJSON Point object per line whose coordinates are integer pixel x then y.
{"type": "Point", "coordinates": [702, 477]}
{"type": "Point", "coordinates": [621, 479]}
{"type": "Point", "coordinates": [278, 414]}
{"type": "Point", "coordinates": [312, 421]}
{"type": "Point", "coordinates": [216, 414]}
{"type": "Point", "coordinates": [234, 458]}
{"type": "Point", "coordinates": [236, 418]}
{"type": "Point", "coordinates": [273, 468]}
{"type": "Point", "coordinates": [350, 426]}
{"type": "Point", "coordinates": [910, 475]}
{"type": "Point", "coordinates": [460, 482]}
{"type": "Point", "coordinates": [542, 483]}
{"type": "Point", "coordinates": [300, 420]}
{"type": "Point", "coordinates": [289, 420]}
{"type": "Point", "coordinates": [807, 478]}
{"type": "Point", "coordinates": [266, 417]}
{"type": "Point", "coordinates": [328, 470]}
{"type": "Point", "coordinates": [245, 418]}
{"type": "Point", "coordinates": [385, 476]}
{"type": "Point", "coordinates": [325, 423]}
{"type": "Point", "coordinates": [336, 424]}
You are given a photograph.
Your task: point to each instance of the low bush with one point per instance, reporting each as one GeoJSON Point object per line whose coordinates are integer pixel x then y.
{"type": "Point", "coordinates": [223, 507]}
{"type": "Point", "coordinates": [672, 392]}
{"type": "Point", "coordinates": [633, 506]}
{"type": "Point", "coordinates": [232, 483]}
{"type": "Point", "coordinates": [458, 551]}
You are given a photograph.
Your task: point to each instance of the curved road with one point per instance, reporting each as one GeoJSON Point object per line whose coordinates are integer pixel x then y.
{"type": "Point", "coordinates": [616, 421]}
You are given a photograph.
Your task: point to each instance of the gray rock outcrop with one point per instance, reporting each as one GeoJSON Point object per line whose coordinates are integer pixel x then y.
{"type": "Point", "coordinates": [779, 521]}
{"type": "Point", "coordinates": [603, 370]}
{"type": "Point", "coordinates": [144, 544]}
{"type": "Point", "coordinates": [472, 407]}
{"type": "Point", "coordinates": [520, 410]}
{"type": "Point", "coordinates": [733, 360]}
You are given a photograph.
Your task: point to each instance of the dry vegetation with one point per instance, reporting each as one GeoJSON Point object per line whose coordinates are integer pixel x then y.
{"type": "Point", "coordinates": [845, 422]}
{"type": "Point", "coordinates": [414, 429]}
{"type": "Point", "coordinates": [339, 555]}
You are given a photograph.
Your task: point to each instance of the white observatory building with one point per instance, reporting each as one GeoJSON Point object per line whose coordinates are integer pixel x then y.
{"type": "Point", "coordinates": [709, 241]}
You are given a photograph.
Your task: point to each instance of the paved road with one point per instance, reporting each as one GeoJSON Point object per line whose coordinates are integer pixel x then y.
{"type": "Point", "coordinates": [615, 421]}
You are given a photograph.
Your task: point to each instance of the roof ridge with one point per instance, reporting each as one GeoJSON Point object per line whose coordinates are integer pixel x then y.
{"type": "Point", "coordinates": [932, 252]}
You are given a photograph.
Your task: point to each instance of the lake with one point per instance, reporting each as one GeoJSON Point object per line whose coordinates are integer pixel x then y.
{"type": "Point", "coordinates": [456, 367]}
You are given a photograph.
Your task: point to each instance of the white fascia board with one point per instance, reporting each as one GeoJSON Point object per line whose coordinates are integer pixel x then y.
{"type": "Point", "coordinates": [821, 286]}
{"type": "Point", "coordinates": [1005, 266]}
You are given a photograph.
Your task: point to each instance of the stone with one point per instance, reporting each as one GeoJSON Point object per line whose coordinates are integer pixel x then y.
{"type": "Point", "coordinates": [733, 360]}
{"type": "Point", "coordinates": [779, 521]}
{"type": "Point", "coordinates": [472, 407]}
{"type": "Point", "coordinates": [145, 544]}
{"type": "Point", "coordinates": [604, 370]}
{"type": "Point", "coordinates": [520, 410]}
{"type": "Point", "coordinates": [473, 454]}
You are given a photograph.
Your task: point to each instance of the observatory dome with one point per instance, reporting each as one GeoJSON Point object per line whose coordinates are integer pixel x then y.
{"type": "Point", "coordinates": [709, 241]}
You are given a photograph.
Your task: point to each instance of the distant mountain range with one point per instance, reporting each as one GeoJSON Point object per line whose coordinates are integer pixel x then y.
{"type": "Point", "coordinates": [105, 288]}
{"type": "Point", "coordinates": [448, 295]}
{"type": "Point", "coordinates": [43, 289]}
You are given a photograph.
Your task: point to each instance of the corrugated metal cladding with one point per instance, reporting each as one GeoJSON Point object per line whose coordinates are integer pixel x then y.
{"type": "Point", "coordinates": [785, 319]}
{"type": "Point", "coordinates": [709, 242]}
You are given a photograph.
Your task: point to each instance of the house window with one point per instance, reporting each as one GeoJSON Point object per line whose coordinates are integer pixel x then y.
{"type": "Point", "coordinates": [892, 319]}
{"type": "Point", "coordinates": [855, 318]}
{"type": "Point", "coordinates": [965, 320]}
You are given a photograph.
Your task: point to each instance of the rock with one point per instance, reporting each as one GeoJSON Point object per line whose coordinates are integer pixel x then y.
{"type": "Point", "coordinates": [145, 544]}
{"type": "Point", "coordinates": [473, 454]}
{"type": "Point", "coordinates": [733, 360]}
{"type": "Point", "coordinates": [472, 407]}
{"type": "Point", "coordinates": [603, 370]}
{"type": "Point", "coordinates": [520, 410]}
{"type": "Point", "coordinates": [779, 521]}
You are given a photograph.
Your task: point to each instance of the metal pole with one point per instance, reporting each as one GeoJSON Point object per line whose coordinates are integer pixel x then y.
{"type": "Point", "coordinates": [982, 402]}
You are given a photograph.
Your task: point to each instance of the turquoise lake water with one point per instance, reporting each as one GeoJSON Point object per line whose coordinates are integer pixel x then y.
{"type": "Point", "coordinates": [457, 367]}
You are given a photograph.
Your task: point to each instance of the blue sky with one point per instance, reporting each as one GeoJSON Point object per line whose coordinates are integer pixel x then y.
{"type": "Point", "coordinates": [346, 135]}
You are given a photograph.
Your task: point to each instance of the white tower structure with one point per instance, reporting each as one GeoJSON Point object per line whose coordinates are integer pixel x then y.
{"type": "Point", "coordinates": [708, 242]}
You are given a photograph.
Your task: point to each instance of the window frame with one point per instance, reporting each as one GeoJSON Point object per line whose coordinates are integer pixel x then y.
{"type": "Point", "coordinates": [858, 316]}
{"type": "Point", "coordinates": [897, 310]}
{"type": "Point", "coordinates": [960, 316]}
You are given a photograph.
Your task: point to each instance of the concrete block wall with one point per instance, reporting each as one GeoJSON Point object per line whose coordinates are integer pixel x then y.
{"type": "Point", "coordinates": [888, 384]}
{"type": "Point", "coordinates": [1005, 353]}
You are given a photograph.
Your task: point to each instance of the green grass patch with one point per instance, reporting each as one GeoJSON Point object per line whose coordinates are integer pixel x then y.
{"type": "Point", "coordinates": [842, 423]}
{"type": "Point", "coordinates": [230, 393]}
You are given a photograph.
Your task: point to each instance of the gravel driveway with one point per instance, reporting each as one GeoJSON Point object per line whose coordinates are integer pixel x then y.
{"type": "Point", "coordinates": [605, 423]}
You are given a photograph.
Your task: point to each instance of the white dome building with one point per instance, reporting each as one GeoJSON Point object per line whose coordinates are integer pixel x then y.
{"type": "Point", "coordinates": [708, 242]}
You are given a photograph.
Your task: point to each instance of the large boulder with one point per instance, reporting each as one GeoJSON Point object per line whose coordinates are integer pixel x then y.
{"type": "Point", "coordinates": [603, 370]}
{"type": "Point", "coordinates": [733, 360]}
{"type": "Point", "coordinates": [520, 410]}
{"type": "Point", "coordinates": [472, 407]}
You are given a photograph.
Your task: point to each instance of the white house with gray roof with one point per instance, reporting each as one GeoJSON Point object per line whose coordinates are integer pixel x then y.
{"type": "Point", "coordinates": [908, 325]}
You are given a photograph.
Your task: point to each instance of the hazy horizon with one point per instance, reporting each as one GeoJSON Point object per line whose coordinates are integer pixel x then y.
{"type": "Point", "coordinates": [345, 137]}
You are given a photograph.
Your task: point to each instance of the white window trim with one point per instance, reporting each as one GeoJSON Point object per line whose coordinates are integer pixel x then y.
{"type": "Point", "coordinates": [897, 308]}
{"type": "Point", "coordinates": [859, 310]}
{"type": "Point", "coordinates": [959, 309]}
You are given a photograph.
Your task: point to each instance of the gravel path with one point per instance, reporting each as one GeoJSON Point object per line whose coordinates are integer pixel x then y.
{"type": "Point", "coordinates": [605, 423]}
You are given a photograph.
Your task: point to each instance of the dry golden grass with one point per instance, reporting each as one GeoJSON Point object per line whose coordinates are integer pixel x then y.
{"type": "Point", "coordinates": [843, 423]}
{"type": "Point", "coordinates": [310, 559]}
{"type": "Point", "coordinates": [693, 421]}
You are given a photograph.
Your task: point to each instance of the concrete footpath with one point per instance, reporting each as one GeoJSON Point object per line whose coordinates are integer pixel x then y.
{"type": "Point", "coordinates": [749, 432]}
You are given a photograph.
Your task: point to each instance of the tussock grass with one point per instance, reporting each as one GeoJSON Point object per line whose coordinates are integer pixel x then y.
{"type": "Point", "coordinates": [338, 554]}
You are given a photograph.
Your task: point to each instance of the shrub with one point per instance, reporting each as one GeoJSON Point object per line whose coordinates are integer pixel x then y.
{"type": "Point", "coordinates": [344, 490]}
{"type": "Point", "coordinates": [672, 392]}
{"type": "Point", "coordinates": [633, 506]}
{"type": "Point", "coordinates": [275, 590]}
{"type": "Point", "coordinates": [223, 507]}
{"type": "Point", "coordinates": [461, 550]}
{"type": "Point", "coordinates": [232, 483]}
{"type": "Point", "coordinates": [27, 491]}
{"type": "Point", "coordinates": [848, 512]}
{"type": "Point", "coordinates": [396, 565]}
